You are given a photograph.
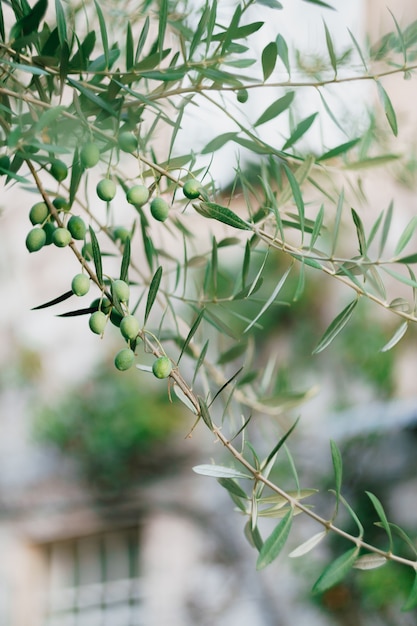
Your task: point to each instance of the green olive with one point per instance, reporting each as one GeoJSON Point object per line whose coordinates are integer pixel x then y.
{"type": "Point", "coordinates": [80, 284]}
{"type": "Point", "coordinates": [162, 367]}
{"type": "Point", "coordinates": [106, 189]}
{"type": "Point", "coordinates": [97, 322]}
{"type": "Point", "coordinates": [124, 359]}
{"type": "Point", "coordinates": [159, 209]}
{"type": "Point", "coordinates": [89, 154]}
{"type": "Point", "coordinates": [61, 237]}
{"type": "Point", "coordinates": [137, 195]}
{"type": "Point", "coordinates": [58, 170]}
{"type": "Point", "coordinates": [35, 239]}
{"type": "Point", "coordinates": [38, 213]}
{"type": "Point", "coordinates": [127, 142]}
{"type": "Point", "coordinates": [192, 189]}
{"type": "Point", "coordinates": [77, 227]}
{"type": "Point", "coordinates": [129, 327]}
{"type": "Point", "coordinates": [120, 289]}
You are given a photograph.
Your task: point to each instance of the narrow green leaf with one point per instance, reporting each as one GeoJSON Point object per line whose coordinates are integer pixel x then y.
{"type": "Point", "coordinates": [338, 471]}
{"type": "Point", "coordinates": [330, 48]}
{"type": "Point", "coordinates": [90, 95]}
{"type": "Point", "coordinates": [360, 232]}
{"type": "Point", "coordinates": [411, 601]}
{"type": "Point", "coordinates": [406, 235]}
{"type": "Point", "coordinates": [253, 536]}
{"type": "Point", "coordinates": [221, 214]}
{"type": "Point", "coordinates": [76, 174]}
{"type": "Point", "coordinates": [402, 535]}
{"type": "Point", "coordinates": [211, 24]}
{"type": "Point", "coordinates": [275, 542]}
{"type": "Point", "coordinates": [271, 4]}
{"type": "Point", "coordinates": [308, 545]}
{"type": "Point", "coordinates": [218, 142]}
{"type": "Point", "coordinates": [192, 332]}
{"type": "Point", "coordinates": [2, 31]}
{"type": "Point", "coordinates": [269, 59]}
{"type": "Point", "coordinates": [336, 326]}
{"type": "Point", "coordinates": [283, 53]}
{"type": "Point", "coordinates": [335, 229]}
{"type": "Point", "coordinates": [369, 561]}
{"type": "Point", "coordinates": [299, 131]}
{"type": "Point", "coordinates": [103, 32]}
{"type": "Point", "coordinates": [296, 192]}
{"type": "Point", "coordinates": [96, 255]}
{"type": "Point", "coordinates": [124, 269]}
{"type": "Point", "coordinates": [61, 22]}
{"type": "Point", "coordinates": [276, 108]}
{"type": "Point", "coordinates": [201, 27]}
{"type": "Point", "coordinates": [341, 149]}
{"type": "Point", "coordinates": [358, 49]}
{"type": "Point", "coordinates": [318, 224]}
{"type": "Point", "coordinates": [336, 571]}
{"type": "Point", "coordinates": [232, 487]}
{"type": "Point", "coordinates": [386, 228]}
{"type": "Point", "coordinates": [353, 515]}
{"type": "Point", "coordinates": [184, 399]}
{"type": "Point", "coordinates": [142, 39]}
{"type": "Point", "coordinates": [397, 336]}
{"type": "Point", "coordinates": [321, 4]}
{"type": "Point", "coordinates": [162, 23]}
{"type": "Point", "coordinates": [153, 292]}
{"type": "Point", "coordinates": [388, 108]}
{"type": "Point", "coordinates": [57, 300]}
{"type": "Point", "coordinates": [218, 471]}
{"type": "Point", "coordinates": [130, 58]}
{"type": "Point", "coordinates": [409, 259]}
{"type": "Point", "coordinates": [200, 360]}
{"type": "Point", "coordinates": [270, 299]}
{"type": "Point", "coordinates": [278, 446]}
{"type": "Point", "coordinates": [377, 161]}
{"type": "Point", "coordinates": [382, 516]}
{"type": "Point", "coordinates": [29, 23]}
{"type": "Point", "coordinates": [403, 279]}
{"type": "Point", "coordinates": [205, 415]}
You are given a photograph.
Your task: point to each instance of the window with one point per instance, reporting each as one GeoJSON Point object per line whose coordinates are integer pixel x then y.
{"type": "Point", "coordinates": [94, 581]}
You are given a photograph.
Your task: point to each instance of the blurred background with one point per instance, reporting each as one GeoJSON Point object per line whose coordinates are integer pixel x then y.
{"type": "Point", "coordinates": [103, 522]}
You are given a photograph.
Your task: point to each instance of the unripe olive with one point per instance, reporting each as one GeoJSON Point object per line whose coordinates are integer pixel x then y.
{"type": "Point", "coordinates": [192, 189]}
{"type": "Point", "coordinates": [124, 359]}
{"type": "Point", "coordinates": [80, 284]}
{"type": "Point", "coordinates": [121, 233]}
{"type": "Point", "coordinates": [38, 213]}
{"type": "Point", "coordinates": [61, 237]}
{"type": "Point", "coordinates": [77, 227]}
{"type": "Point", "coordinates": [4, 164]}
{"type": "Point", "coordinates": [87, 251]}
{"type": "Point", "coordinates": [116, 317]}
{"type": "Point", "coordinates": [58, 170]}
{"type": "Point", "coordinates": [120, 290]}
{"type": "Point", "coordinates": [106, 189]}
{"type": "Point", "coordinates": [127, 142]}
{"type": "Point", "coordinates": [61, 204]}
{"type": "Point", "coordinates": [242, 95]}
{"type": "Point", "coordinates": [101, 304]}
{"type": "Point", "coordinates": [49, 228]}
{"type": "Point", "coordinates": [35, 239]}
{"type": "Point", "coordinates": [137, 195]}
{"type": "Point", "coordinates": [97, 322]}
{"type": "Point", "coordinates": [159, 209]}
{"type": "Point", "coordinates": [129, 327]}
{"type": "Point", "coordinates": [89, 154]}
{"type": "Point", "coordinates": [162, 367]}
